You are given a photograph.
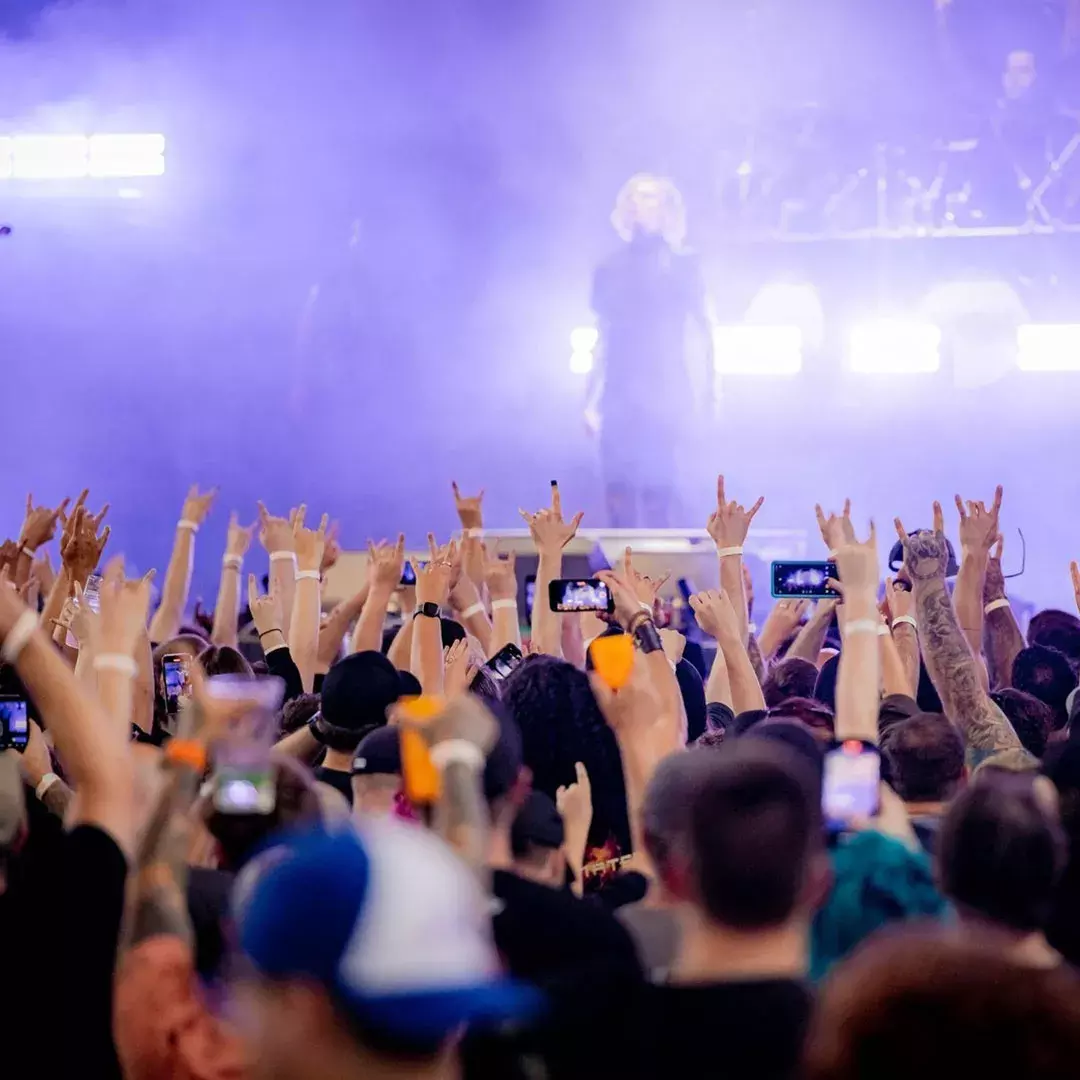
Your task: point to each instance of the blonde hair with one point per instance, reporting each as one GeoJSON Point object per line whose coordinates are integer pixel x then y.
{"type": "Point", "coordinates": [624, 215]}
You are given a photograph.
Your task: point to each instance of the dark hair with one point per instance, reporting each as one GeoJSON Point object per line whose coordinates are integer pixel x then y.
{"type": "Point", "coordinates": [792, 677]}
{"type": "Point", "coordinates": [240, 836]}
{"type": "Point", "coordinates": [451, 631]}
{"type": "Point", "coordinates": [225, 660]}
{"type": "Point", "coordinates": [1047, 674]}
{"type": "Point", "coordinates": [754, 826]}
{"type": "Point", "coordinates": [1057, 630]}
{"type": "Point", "coordinates": [815, 714]}
{"type": "Point", "coordinates": [665, 809]}
{"type": "Point", "coordinates": [296, 712]}
{"type": "Point", "coordinates": [925, 757]}
{"type": "Point", "coordinates": [560, 724]}
{"type": "Point", "coordinates": [1000, 853]}
{"type": "Point", "coordinates": [928, 1005]}
{"type": "Point", "coordinates": [1032, 719]}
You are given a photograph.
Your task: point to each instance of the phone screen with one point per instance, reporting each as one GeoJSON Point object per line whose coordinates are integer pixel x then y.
{"type": "Point", "coordinates": [803, 579]}
{"type": "Point", "coordinates": [530, 596]}
{"type": "Point", "coordinates": [176, 669]}
{"type": "Point", "coordinates": [14, 724]}
{"type": "Point", "coordinates": [242, 789]}
{"type": "Point", "coordinates": [589, 594]}
{"type": "Point", "coordinates": [408, 574]}
{"type": "Point", "coordinates": [851, 790]}
{"type": "Point", "coordinates": [92, 597]}
{"type": "Point", "coordinates": [504, 661]}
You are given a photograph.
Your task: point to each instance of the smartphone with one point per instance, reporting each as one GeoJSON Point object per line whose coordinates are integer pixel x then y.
{"type": "Point", "coordinates": [530, 596]}
{"type": "Point", "coordinates": [504, 661]}
{"type": "Point", "coordinates": [244, 789]}
{"type": "Point", "coordinates": [851, 789]}
{"type": "Point", "coordinates": [408, 574]}
{"type": "Point", "coordinates": [176, 669]}
{"type": "Point", "coordinates": [14, 723]}
{"type": "Point", "coordinates": [590, 594]}
{"type": "Point", "coordinates": [92, 596]}
{"type": "Point", "coordinates": [803, 579]}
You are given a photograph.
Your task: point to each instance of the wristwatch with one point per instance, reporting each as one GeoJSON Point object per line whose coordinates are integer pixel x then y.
{"type": "Point", "coordinates": [428, 610]}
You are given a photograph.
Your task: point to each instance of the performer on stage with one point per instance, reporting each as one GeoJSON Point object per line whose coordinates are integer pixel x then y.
{"type": "Point", "coordinates": [640, 392]}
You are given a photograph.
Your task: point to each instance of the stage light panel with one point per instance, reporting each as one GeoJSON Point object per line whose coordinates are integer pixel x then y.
{"type": "Point", "coordinates": [73, 157]}
{"type": "Point", "coordinates": [1048, 347]}
{"type": "Point", "coordinates": [894, 347]}
{"type": "Point", "coordinates": [758, 350]}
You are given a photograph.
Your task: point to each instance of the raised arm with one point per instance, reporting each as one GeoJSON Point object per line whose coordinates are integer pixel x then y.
{"type": "Point", "coordinates": [728, 525]}
{"type": "Point", "coordinates": [470, 512]}
{"type": "Point", "coordinates": [900, 608]}
{"type": "Point", "coordinates": [811, 638]}
{"type": "Point", "coordinates": [336, 626]}
{"type": "Point", "coordinates": [1002, 639]}
{"type": "Point", "coordinates": [307, 598]}
{"type": "Point", "coordinates": [716, 615]}
{"type": "Point", "coordinates": [501, 575]}
{"type": "Point", "coordinates": [953, 668]}
{"type": "Point", "coordinates": [550, 534]}
{"type": "Point", "coordinates": [174, 590]}
{"type": "Point", "coordinates": [276, 537]}
{"type": "Point", "coordinates": [237, 543]}
{"type": "Point", "coordinates": [432, 591]}
{"type": "Point", "coordinates": [385, 564]}
{"type": "Point", "coordinates": [978, 533]}
{"type": "Point", "coordinates": [38, 528]}
{"type": "Point", "coordinates": [782, 621]}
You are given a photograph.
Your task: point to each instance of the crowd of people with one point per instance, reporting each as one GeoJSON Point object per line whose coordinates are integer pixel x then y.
{"type": "Point", "coordinates": [412, 836]}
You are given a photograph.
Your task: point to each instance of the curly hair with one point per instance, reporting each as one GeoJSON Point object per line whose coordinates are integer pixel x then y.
{"type": "Point", "coordinates": [560, 724]}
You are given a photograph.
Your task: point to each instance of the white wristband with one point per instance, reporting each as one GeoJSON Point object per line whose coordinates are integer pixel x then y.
{"type": "Point", "coordinates": [235, 561]}
{"type": "Point", "coordinates": [281, 556]}
{"type": "Point", "coordinates": [457, 752]}
{"type": "Point", "coordinates": [996, 605]}
{"type": "Point", "coordinates": [725, 552]}
{"type": "Point", "coordinates": [18, 636]}
{"type": "Point", "coordinates": [187, 523]}
{"type": "Point", "coordinates": [28, 551]}
{"type": "Point", "coordinates": [118, 662]}
{"type": "Point", "coordinates": [861, 626]}
{"type": "Point", "coordinates": [45, 783]}
{"type": "Point", "coordinates": [883, 630]}
{"type": "Point", "coordinates": [503, 605]}
{"type": "Point", "coordinates": [905, 620]}
{"type": "Point", "coordinates": [308, 575]}
{"type": "Point", "coordinates": [474, 533]}
{"type": "Point", "coordinates": [476, 609]}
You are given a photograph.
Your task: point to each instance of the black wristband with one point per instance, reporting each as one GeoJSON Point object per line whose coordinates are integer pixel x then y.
{"type": "Point", "coordinates": [647, 636]}
{"type": "Point", "coordinates": [275, 630]}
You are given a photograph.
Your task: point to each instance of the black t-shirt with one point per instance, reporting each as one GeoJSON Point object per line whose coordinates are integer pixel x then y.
{"type": "Point", "coordinates": [751, 1029]}
{"type": "Point", "coordinates": [336, 778]}
{"type": "Point", "coordinates": [59, 930]}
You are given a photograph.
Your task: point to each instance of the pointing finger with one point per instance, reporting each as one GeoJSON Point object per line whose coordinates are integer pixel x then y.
{"type": "Point", "coordinates": [939, 518]}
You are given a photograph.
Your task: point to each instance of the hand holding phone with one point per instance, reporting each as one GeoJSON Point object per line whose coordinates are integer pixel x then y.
{"type": "Point", "coordinates": [588, 594]}
{"type": "Point", "coordinates": [851, 788]}
{"type": "Point", "coordinates": [805, 580]}
{"type": "Point", "coordinates": [504, 661]}
{"type": "Point", "coordinates": [176, 671]}
{"type": "Point", "coordinates": [14, 723]}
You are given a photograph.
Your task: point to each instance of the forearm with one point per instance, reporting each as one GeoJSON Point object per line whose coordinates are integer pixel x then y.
{"type": "Point", "coordinates": [479, 625]}
{"type": "Point", "coordinates": [1002, 642]}
{"type": "Point", "coordinates": [638, 766]}
{"type": "Point", "coordinates": [224, 631]}
{"type": "Point", "coordinates": [304, 630]}
{"type": "Point", "coordinates": [572, 641]}
{"type": "Point", "coordinates": [546, 632]}
{"type": "Point", "coordinates": [894, 678]}
{"type": "Point", "coordinates": [968, 597]}
{"type": "Point", "coordinates": [367, 637]}
{"type": "Point", "coordinates": [301, 744]}
{"type": "Point", "coordinates": [461, 814]}
{"type": "Point", "coordinates": [54, 602]}
{"type": "Point", "coordinates": [672, 710]}
{"type": "Point", "coordinates": [858, 675]}
{"type": "Point", "coordinates": [400, 651]}
{"type": "Point", "coordinates": [718, 686]}
{"type": "Point", "coordinates": [745, 689]}
{"type": "Point", "coordinates": [174, 591]}
{"type": "Point", "coordinates": [505, 627]}
{"type": "Point", "coordinates": [731, 582]}
{"type": "Point", "coordinates": [955, 674]}
{"type": "Point", "coordinates": [811, 638]}
{"type": "Point", "coordinates": [23, 565]}
{"type": "Point", "coordinates": [283, 586]}
{"type": "Point", "coordinates": [142, 702]}
{"type": "Point", "coordinates": [337, 626]}
{"type": "Point", "coordinates": [427, 654]}
{"type": "Point", "coordinates": [906, 641]}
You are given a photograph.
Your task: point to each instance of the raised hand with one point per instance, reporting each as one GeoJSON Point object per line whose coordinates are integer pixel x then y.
{"type": "Point", "coordinates": [265, 610]}
{"type": "Point", "coordinates": [196, 505]}
{"type": "Point", "coordinates": [979, 525]}
{"type": "Point", "coordinates": [899, 599]}
{"type": "Point", "coordinates": [124, 606]}
{"type": "Point", "coordinates": [458, 671]}
{"type": "Point", "coordinates": [782, 621]}
{"type": "Point", "coordinates": [857, 564]}
{"type": "Point", "coordinates": [574, 802]}
{"type": "Point", "coordinates": [238, 539]}
{"type": "Point", "coordinates": [309, 543]}
{"type": "Point", "coordinates": [646, 588]}
{"type": "Point", "coordinates": [331, 547]}
{"type": "Point", "coordinates": [500, 575]}
{"type": "Point", "coordinates": [715, 615]}
{"type": "Point", "coordinates": [549, 532]}
{"type": "Point", "coordinates": [926, 553]}
{"type": "Point", "coordinates": [836, 530]}
{"type": "Point", "coordinates": [994, 585]}
{"type": "Point", "coordinates": [1074, 571]}
{"type": "Point", "coordinates": [82, 550]}
{"type": "Point", "coordinates": [730, 522]}
{"type": "Point", "coordinates": [81, 619]}
{"type": "Point", "coordinates": [623, 593]}
{"type": "Point", "coordinates": [276, 533]}
{"type": "Point", "coordinates": [433, 581]}
{"type": "Point", "coordinates": [385, 564]}
{"type": "Point", "coordinates": [470, 508]}
{"type": "Point", "coordinates": [67, 520]}
{"type": "Point", "coordinates": [39, 525]}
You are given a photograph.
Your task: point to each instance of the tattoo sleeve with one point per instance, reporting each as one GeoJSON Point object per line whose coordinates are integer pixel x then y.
{"type": "Point", "coordinates": [955, 673]}
{"type": "Point", "coordinates": [461, 816]}
{"type": "Point", "coordinates": [756, 659]}
{"type": "Point", "coordinates": [1002, 640]}
{"type": "Point", "coordinates": [907, 645]}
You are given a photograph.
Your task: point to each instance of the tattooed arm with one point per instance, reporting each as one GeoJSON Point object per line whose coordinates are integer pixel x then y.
{"type": "Point", "coordinates": [953, 668]}
{"type": "Point", "coordinates": [1002, 639]}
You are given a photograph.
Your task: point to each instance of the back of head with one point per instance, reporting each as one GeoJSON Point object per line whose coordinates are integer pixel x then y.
{"type": "Point", "coordinates": [930, 1006]}
{"type": "Point", "coordinates": [755, 826]}
{"type": "Point", "coordinates": [1001, 850]}
{"type": "Point", "coordinates": [813, 714]}
{"type": "Point", "coordinates": [296, 712]}
{"type": "Point", "coordinates": [225, 660]}
{"type": "Point", "coordinates": [1046, 674]}
{"type": "Point", "coordinates": [665, 810]}
{"type": "Point", "coordinates": [1032, 719]}
{"type": "Point", "coordinates": [925, 758]}
{"type": "Point", "coordinates": [793, 677]}
{"type": "Point", "coordinates": [1056, 630]}
{"type": "Point", "coordinates": [356, 693]}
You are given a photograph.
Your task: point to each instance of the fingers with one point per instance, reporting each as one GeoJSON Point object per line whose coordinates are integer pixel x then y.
{"type": "Point", "coordinates": [253, 591]}
{"type": "Point", "coordinates": [556, 499]}
{"type": "Point", "coordinates": [103, 539]}
{"type": "Point", "coordinates": [1074, 571]}
{"type": "Point", "coordinates": [661, 581]}
{"type": "Point", "coordinates": [820, 516]}
{"type": "Point", "coordinates": [528, 518]}
{"type": "Point", "coordinates": [720, 499]}
{"type": "Point", "coordinates": [234, 521]}
{"type": "Point", "coordinates": [457, 492]}
{"type": "Point", "coordinates": [960, 507]}
{"type": "Point", "coordinates": [582, 774]}
{"type": "Point", "coordinates": [323, 523]}
{"type": "Point", "coordinates": [832, 583]}
{"type": "Point", "coordinates": [900, 530]}
{"type": "Point", "coordinates": [576, 521]}
{"type": "Point", "coordinates": [149, 576]}
{"type": "Point", "coordinates": [399, 547]}
{"type": "Point", "coordinates": [756, 507]}
{"type": "Point", "coordinates": [264, 514]}
{"type": "Point", "coordinates": [433, 547]}
{"type": "Point", "coordinates": [995, 507]}
{"type": "Point", "coordinates": [847, 508]}
{"type": "Point", "coordinates": [298, 516]}
{"type": "Point", "coordinates": [100, 517]}
{"type": "Point", "coordinates": [29, 503]}
{"type": "Point", "coordinates": [871, 540]}
{"type": "Point", "coordinates": [83, 495]}
{"type": "Point", "coordinates": [939, 518]}
{"type": "Point", "coordinates": [1000, 547]}
{"type": "Point", "coordinates": [628, 561]}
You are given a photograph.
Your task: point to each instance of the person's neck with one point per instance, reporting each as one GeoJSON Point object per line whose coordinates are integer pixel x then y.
{"type": "Point", "coordinates": [709, 952]}
{"type": "Point", "coordinates": [925, 809]}
{"type": "Point", "coordinates": [1029, 948]}
{"type": "Point", "coordinates": [338, 760]}
{"type": "Point", "coordinates": [350, 1062]}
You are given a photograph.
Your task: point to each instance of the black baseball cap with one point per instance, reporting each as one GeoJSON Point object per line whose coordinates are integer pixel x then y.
{"type": "Point", "coordinates": [538, 824]}
{"type": "Point", "coordinates": [379, 753]}
{"type": "Point", "coordinates": [358, 690]}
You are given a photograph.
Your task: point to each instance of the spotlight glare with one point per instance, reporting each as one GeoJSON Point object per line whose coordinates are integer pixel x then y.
{"type": "Point", "coordinates": [758, 350]}
{"type": "Point", "coordinates": [127, 155]}
{"type": "Point", "coordinates": [584, 338]}
{"type": "Point", "coordinates": [54, 157]}
{"type": "Point", "coordinates": [894, 347]}
{"type": "Point", "coordinates": [71, 157]}
{"type": "Point", "coordinates": [581, 361]}
{"type": "Point", "coordinates": [1048, 347]}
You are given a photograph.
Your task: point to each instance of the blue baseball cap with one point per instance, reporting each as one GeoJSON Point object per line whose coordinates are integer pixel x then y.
{"type": "Point", "coordinates": [386, 917]}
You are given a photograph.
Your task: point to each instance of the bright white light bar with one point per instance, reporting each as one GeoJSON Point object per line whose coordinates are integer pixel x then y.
{"type": "Point", "coordinates": [894, 347]}
{"type": "Point", "coordinates": [583, 341]}
{"type": "Point", "coordinates": [1048, 347]}
{"type": "Point", "coordinates": [581, 362]}
{"type": "Point", "coordinates": [73, 157]}
{"type": "Point", "coordinates": [758, 350]}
